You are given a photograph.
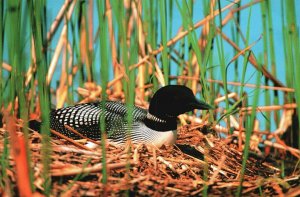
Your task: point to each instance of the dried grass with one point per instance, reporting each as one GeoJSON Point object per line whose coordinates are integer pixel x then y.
{"type": "Point", "coordinates": [169, 171]}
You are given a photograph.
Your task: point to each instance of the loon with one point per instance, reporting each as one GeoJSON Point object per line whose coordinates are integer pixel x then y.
{"type": "Point", "coordinates": [157, 126]}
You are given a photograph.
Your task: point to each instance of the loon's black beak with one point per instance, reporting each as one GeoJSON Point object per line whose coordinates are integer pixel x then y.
{"type": "Point", "coordinates": [201, 105]}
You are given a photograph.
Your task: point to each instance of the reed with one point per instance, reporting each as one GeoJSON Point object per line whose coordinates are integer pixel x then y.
{"type": "Point", "coordinates": [126, 50]}
{"type": "Point", "coordinates": [104, 46]}
{"type": "Point", "coordinates": [38, 18]}
{"type": "Point", "coordinates": [291, 45]}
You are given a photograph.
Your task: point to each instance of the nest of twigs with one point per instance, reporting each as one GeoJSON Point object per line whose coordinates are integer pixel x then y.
{"type": "Point", "coordinates": [182, 170]}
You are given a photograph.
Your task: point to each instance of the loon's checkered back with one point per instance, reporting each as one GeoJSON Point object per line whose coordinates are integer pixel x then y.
{"type": "Point", "coordinates": [85, 118]}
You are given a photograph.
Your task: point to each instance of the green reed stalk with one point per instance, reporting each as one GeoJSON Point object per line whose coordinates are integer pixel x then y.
{"type": "Point", "coordinates": [38, 18]}
{"type": "Point", "coordinates": [89, 66]}
{"type": "Point", "coordinates": [152, 37]}
{"type": "Point", "coordinates": [122, 21]}
{"type": "Point", "coordinates": [265, 23]}
{"type": "Point", "coordinates": [131, 94]}
{"type": "Point", "coordinates": [69, 82]}
{"type": "Point", "coordinates": [287, 29]}
{"type": "Point", "coordinates": [249, 121]}
{"type": "Point", "coordinates": [163, 25]}
{"type": "Point", "coordinates": [272, 55]}
{"type": "Point", "coordinates": [149, 26]}
{"type": "Point", "coordinates": [190, 52]}
{"type": "Point", "coordinates": [224, 67]}
{"type": "Point", "coordinates": [1, 50]}
{"type": "Point", "coordinates": [170, 8]}
{"type": "Point", "coordinates": [249, 128]}
{"type": "Point", "coordinates": [181, 58]}
{"type": "Point", "coordinates": [76, 48]}
{"type": "Point", "coordinates": [236, 38]}
{"type": "Point", "coordinates": [208, 59]}
{"type": "Point", "coordinates": [4, 157]}
{"type": "Point", "coordinates": [103, 43]}
{"type": "Point", "coordinates": [16, 42]}
{"type": "Point", "coordinates": [291, 49]}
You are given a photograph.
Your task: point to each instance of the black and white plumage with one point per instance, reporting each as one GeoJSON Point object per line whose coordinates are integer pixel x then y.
{"type": "Point", "coordinates": [156, 126]}
{"type": "Point", "coordinates": [85, 118]}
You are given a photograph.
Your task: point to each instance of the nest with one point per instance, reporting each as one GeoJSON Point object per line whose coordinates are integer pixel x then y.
{"type": "Point", "coordinates": [197, 163]}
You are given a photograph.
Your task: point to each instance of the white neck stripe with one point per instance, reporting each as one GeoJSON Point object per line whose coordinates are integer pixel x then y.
{"type": "Point", "coordinates": [154, 118]}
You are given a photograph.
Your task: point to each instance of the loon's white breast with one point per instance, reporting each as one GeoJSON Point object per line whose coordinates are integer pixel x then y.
{"type": "Point", "coordinates": [153, 137]}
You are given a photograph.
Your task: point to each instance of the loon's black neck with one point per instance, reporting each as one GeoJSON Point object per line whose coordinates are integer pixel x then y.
{"type": "Point", "coordinates": [160, 124]}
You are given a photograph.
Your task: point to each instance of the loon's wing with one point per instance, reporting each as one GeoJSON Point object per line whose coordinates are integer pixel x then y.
{"type": "Point", "coordinates": [85, 118]}
{"type": "Point", "coordinates": [120, 109]}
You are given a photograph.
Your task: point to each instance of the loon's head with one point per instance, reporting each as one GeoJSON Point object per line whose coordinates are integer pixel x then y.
{"type": "Point", "coordinates": [173, 100]}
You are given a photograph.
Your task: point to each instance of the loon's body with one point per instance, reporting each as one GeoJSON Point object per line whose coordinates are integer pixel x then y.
{"type": "Point", "coordinates": [85, 118]}
{"type": "Point", "coordinates": [155, 127]}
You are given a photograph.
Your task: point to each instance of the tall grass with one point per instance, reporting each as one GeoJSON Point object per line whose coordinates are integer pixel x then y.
{"type": "Point", "coordinates": [113, 41]}
{"type": "Point", "coordinates": [19, 21]}
{"type": "Point", "coordinates": [164, 25]}
{"type": "Point", "coordinates": [103, 43]}
{"type": "Point", "coordinates": [291, 43]}
{"type": "Point", "coordinates": [38, 18]}
{"type": "Point", "coordinates": [1, 49]}
{"type": "Point", "coordinates": [4, 156]}
{"type": "Point", "coordinates": [223, 67]}
{"type": "Point", "coordinates": [265, 22]}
